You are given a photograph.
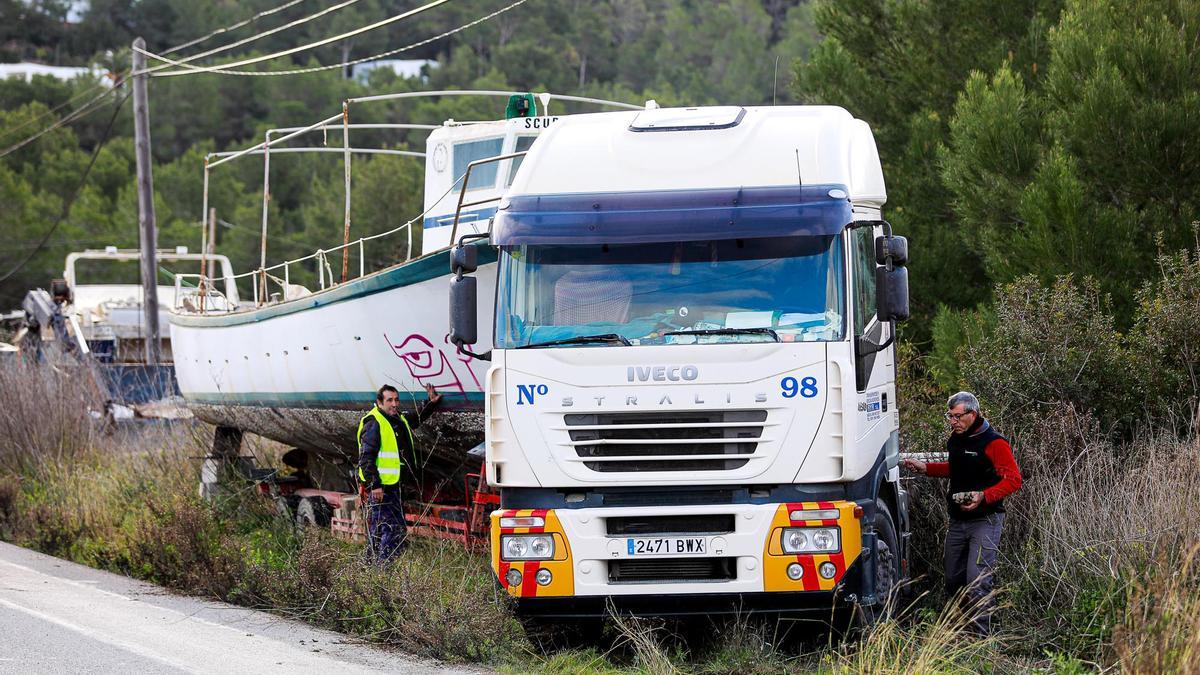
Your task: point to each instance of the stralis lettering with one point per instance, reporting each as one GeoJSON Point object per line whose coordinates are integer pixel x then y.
{"type": "Point", "coordinates": [663, 400]}
{"type": "Point", "coordinates": [662, 373]}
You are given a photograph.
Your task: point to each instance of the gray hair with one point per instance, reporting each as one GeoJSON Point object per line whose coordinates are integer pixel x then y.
{"type": "Point", "coordinates": [966, 399]}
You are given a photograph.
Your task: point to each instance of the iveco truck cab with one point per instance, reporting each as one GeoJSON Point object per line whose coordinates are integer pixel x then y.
{"type": "Point", "coordinates": [691, 403]}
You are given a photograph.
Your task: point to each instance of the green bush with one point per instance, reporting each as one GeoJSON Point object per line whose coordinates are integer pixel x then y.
{"type": "Point", "coordinates": [1048, 346]}
{"type": "Point", "coordinates": [954, 331]}
{"type": "Point", "coordinates": [1165, 340]}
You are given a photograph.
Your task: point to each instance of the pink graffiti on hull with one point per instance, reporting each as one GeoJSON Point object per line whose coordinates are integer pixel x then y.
{"type": "Point", "coordinates": [430, 365]}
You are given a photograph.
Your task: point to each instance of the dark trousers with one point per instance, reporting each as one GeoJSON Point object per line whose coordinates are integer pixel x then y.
{"type": "Point", "coordinates": [385, 516]}
{"type": "Point", "coordinates": [972, 547]}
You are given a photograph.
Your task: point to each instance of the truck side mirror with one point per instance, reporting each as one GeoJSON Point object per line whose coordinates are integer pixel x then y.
{"type": "Point", "coordinates": [893, 246]}
{"type": "Point", "coordinates": [464, 322]}
{"type": "Point", "coordinates": [891, 293]}
{"type": "Point", "coordinates": [464, 259]}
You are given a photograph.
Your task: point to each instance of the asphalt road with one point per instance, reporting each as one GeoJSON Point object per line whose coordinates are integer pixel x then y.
{"type": "Point", "coordinates": [56, 616]}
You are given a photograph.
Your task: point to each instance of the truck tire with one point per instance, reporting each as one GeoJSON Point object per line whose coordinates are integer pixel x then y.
{"type": "Point", "coordinates": [886, 559]}
{"type": "Point", "coordinates": [313, 512]}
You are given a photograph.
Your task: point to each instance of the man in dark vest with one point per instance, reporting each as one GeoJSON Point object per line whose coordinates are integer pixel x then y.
{"type": "Point", "coordinates": [384, 436]}
{"type": "Point", "coordinates": [982, 473]}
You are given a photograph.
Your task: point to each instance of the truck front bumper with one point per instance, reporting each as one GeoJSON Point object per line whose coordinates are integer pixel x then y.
{"type": "Point", "coordinates": [743, 562]}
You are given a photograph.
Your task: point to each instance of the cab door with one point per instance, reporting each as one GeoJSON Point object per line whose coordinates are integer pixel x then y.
{"type": "Point", "coordinates": [873, 367]}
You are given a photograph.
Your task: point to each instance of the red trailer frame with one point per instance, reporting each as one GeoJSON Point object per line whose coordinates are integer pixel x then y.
{"type": "Point", "coordinates": [466, 522]}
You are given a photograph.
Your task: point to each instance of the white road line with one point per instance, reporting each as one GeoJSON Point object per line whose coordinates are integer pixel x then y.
{"type": "Point", "coordinates": [116, 642]}
{"type": "Point", "coordinates": [165, 635]}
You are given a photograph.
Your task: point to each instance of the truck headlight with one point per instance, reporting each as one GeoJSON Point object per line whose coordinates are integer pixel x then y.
{"type": "Point", "coordinates": [527, 547]}
{"type": "Point", "coordinates": [810, 539]}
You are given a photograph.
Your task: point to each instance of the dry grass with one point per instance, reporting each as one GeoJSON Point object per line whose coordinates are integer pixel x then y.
{"type": "Point", "coordinates": [1161, 630]}
{"type": "Point", "coordinates": [44, 414]}
{"type": "Point", "coordinates": [645, 640]}
{"type": "Point", "coordinates": [941, 643]}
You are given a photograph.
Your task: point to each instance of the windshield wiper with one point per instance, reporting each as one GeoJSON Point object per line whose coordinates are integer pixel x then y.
{"type": "Point", "coordinates": [728, 331]}
{"type": "Point", "coordinates": [582, 340]}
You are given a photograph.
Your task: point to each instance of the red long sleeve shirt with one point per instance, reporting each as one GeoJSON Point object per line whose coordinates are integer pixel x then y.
{"type": "Point", "coordinates": [1001, 455]}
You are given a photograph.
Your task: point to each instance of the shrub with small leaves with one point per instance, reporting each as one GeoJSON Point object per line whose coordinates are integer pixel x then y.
{"type": "Point", "coordinates": [1165, 340]}
{"type": "Point", "coordinates": [1047, 346]}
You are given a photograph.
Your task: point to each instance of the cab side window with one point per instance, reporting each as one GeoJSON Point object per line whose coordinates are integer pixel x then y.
{"type": "Point", "coordinates": [862, 248]}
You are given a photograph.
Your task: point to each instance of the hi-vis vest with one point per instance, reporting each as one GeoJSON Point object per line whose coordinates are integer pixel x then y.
{"type": "Point", "coordinates": [388, 461]}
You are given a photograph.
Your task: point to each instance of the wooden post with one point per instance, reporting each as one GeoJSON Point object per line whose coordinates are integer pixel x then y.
{"type": "Point", "coordinates": [262, 259]}
{"type": "Point", "coordinates": [346, 166]}
{"type": "Point", "coordinates": [146, 221]}
{"type": "Point", "coordinates": [206, 284]}
{"type": "Point", "coordinates": [212, 243]}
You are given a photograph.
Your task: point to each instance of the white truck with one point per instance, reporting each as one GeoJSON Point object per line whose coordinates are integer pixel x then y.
{"type": "Point", "coordinates": [691, 404]}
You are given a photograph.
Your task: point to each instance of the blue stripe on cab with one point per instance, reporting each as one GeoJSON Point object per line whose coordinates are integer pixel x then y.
{"type": "Point", "coordinates": [669, 215]}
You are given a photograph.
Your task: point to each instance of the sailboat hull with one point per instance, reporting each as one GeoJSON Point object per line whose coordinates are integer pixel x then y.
{"type": "Point", "coordinates": [303, 372]}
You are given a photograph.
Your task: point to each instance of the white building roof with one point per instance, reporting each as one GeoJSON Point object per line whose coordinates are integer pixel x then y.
{"type": "Point", "coordinates": [26, 71]}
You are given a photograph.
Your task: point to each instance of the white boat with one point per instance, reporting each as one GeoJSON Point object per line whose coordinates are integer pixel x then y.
{"type": "Point", "coordinates": [96, 311]}
{"type": "Point", "coordinates": [303, 367]}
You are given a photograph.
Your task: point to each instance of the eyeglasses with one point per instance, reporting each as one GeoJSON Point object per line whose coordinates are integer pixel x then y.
{"type": "Point", "coordinates": [954, 417]}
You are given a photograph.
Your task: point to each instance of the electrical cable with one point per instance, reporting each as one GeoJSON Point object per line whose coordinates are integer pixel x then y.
{"type": "Point", "coordinates": [119, 78]}
{"type": "Point", "coordinates": [252, 38]}
{"type": "Point", "coordinates": [78, 95]}
{"type": "Point", "coordinates": [86, 108]}
{"type": "Point", "coordinates": [189, 69]}
{"type": "Point", "coordinates": [66, 210]}
{"type": "Point", "coordinates": [235, 26]}
{"type": "Point", "coordinates": [220, 70]}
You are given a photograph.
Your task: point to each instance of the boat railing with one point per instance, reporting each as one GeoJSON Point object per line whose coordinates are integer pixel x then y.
{"type": "Point", "coordinates": [262, 277]}
{"type": "Point", "coordinates": [466, 180]}
{"type": "Point", "coordinates": [194, 299]}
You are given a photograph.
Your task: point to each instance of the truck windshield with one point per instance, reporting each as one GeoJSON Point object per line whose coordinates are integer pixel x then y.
{"type": "Point", "coordinates": [786, 289]}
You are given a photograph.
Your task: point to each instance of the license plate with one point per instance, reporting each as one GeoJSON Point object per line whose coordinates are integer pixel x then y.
{"type": "Point", "coordinates": [666, 546]}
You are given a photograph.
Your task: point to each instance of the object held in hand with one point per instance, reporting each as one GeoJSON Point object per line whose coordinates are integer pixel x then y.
{"type": "Point", "coordinates": [961, 497]}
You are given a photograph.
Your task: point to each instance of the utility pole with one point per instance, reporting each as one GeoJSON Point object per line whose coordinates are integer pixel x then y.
{"type": "Point", "coordinates": [146, 222]}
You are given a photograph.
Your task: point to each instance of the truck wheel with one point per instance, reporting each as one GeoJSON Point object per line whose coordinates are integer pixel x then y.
{"type": "Point", "coordinates": [550, 635]}
{"type": "Point", "coordinates": [887, 569]}
{"type": "Point", "coordinates": [313, 512]}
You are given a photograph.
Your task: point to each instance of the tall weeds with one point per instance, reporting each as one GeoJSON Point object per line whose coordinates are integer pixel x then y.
{"type": "Point", "coordinates": [939, 643]}
{"type": "Point", "coordinates": [44, 414]}
{"type": "Point", "coordinates": [1161, 630]}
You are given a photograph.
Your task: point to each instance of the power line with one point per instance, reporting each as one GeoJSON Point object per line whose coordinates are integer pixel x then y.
{"type": "Point", "coordinates": [75, 195]}
{"type": "Point", "coordinates": [85, 109]}
{"type": "Point", "coordinates": [190, 69]}
{"type": "Point", "coordinates": [252, 38]}
{"type": "Point", "coordinates": [234, 26]}
{"type": "Point", "coordinates": [333, 66]}
{"type": "Point", "coordinates": [78, 95]}
{"type": "Point", "coordinates": [119, 78]}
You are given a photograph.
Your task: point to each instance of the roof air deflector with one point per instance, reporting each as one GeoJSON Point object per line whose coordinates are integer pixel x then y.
{"type": "Point", "coordinates": [688, 119]}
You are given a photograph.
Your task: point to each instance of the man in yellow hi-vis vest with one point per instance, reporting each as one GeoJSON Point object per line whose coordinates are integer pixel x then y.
{"type": "Point", "coordinates": [384, 435]}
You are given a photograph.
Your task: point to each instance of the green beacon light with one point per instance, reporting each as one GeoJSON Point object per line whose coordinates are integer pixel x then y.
{"type": "Point", "coordinates": [520, 105]}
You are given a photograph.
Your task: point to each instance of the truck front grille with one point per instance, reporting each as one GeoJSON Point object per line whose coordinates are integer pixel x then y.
{"type": "Point", "coordinates": [668, 570]}
{"type": "Point", "coordinates": [722, 523]}
{"type": "Point", "coordinates": [712, 440]}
